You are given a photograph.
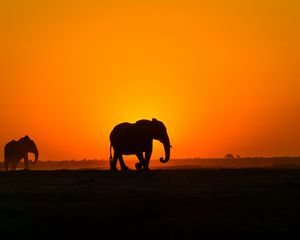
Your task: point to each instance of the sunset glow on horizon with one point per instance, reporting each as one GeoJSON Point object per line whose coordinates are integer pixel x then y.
{"type": "Point", "coordinates": [223, 76]}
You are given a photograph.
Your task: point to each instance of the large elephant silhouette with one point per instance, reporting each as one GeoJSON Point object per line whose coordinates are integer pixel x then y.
{"type": "Point", "coordinates": [15, 151]}
{"type": "Point", "coordinates": [137, 138]}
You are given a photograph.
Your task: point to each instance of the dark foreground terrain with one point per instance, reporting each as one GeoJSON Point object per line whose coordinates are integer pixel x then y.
{"type": "Point", "coordinates": [160, 204]}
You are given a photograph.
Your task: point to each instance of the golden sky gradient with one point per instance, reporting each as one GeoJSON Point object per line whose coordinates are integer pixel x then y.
{"type": "Point", "coordinates": [222, 75]}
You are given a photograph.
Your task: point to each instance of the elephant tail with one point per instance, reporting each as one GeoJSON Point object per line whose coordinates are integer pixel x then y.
{"type": "Point", "coordinates": [110, 156]}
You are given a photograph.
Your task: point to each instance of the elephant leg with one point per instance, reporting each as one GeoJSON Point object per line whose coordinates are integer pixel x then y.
{"type": "Point", "coordinates": [113, 163]}
{"type": "Point", "coordinates": [148, 154]}
{"type": "Point", "coordinates": [6, 163]}
{"type": "Point", "coordinates": [139, 165]}
{"type": "Point", "coordinates": [26, 164]}
{"type": "Point", "coordinates": [147, 160]}
{"type": "Point", "coordinates": [14, 166]}
{"type": "Point", "coordinates": [13, 162]}
{"type": "Point", "coordinates": [122, 164]}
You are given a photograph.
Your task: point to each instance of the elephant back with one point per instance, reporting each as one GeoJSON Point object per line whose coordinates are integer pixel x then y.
{"type": "Point", "coordinates": [12, 149]}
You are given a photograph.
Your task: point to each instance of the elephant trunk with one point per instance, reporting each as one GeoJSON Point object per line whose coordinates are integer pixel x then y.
{"type": "Point", "coordinates": [36, 156]}
{"type": "Point", "coordinates": [167, 147]}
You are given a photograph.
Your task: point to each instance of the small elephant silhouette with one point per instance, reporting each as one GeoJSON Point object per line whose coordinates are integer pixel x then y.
{"type": "Point", "coordinates": [15, 151]}
{"type": "Point", "coordinates": [137, 138]}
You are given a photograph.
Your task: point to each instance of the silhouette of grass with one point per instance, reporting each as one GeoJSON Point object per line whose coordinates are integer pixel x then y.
{"type": "Point", "coordinates": [161, 204]}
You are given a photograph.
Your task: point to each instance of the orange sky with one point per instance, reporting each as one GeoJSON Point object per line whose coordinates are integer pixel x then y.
{"type": "Point", "coordinates": [223, 75]}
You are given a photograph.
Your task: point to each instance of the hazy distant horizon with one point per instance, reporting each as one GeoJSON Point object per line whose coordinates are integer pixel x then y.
{"type": "Point", "coordinates": [194, 163]}
{"type": "Point", "coordinates": [133, 158]}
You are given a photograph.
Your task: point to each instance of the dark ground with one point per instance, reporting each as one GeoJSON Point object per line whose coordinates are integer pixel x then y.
{"type": "Point", "coordinates": [160, 204]}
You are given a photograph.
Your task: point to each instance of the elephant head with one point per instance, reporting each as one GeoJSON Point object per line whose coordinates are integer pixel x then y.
{"type": "Point", "coordinates": [159, 132]}
{"type": "Point", "coordinates": [29, 146]}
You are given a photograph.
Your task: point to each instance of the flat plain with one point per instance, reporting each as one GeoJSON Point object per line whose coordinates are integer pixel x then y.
{"type": "Point", "coordinates": [249, 203]}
